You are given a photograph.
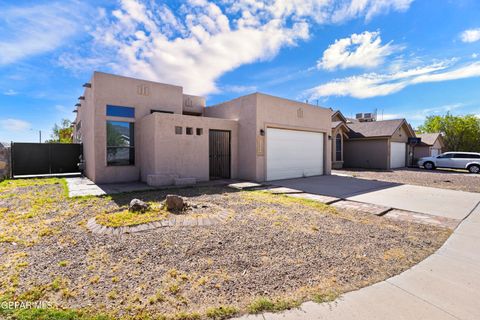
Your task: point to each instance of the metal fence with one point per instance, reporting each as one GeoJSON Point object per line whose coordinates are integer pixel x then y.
{"type": "Point", "coordinates": [45, 158]}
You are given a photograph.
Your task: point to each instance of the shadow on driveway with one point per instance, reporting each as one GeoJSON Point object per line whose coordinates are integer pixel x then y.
{"type": "Point", "coordinates": [335, 186]}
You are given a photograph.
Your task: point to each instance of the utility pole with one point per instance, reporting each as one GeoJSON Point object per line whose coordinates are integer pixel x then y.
{"type": "Point", "coordinates": [40, 135]}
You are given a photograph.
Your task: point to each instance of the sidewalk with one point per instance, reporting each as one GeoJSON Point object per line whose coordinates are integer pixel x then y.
{"type": "Point", "coordinates": [446, 285]}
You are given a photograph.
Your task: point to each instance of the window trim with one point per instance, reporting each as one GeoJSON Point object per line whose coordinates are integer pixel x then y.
{"type": "Point", "coordinates": [338, 138]}
{"type": "Point", "coordinates": [131, 147]}
{"type": "Point", "coordinates": [160, 111]}
{"type": "Point", "coordinates": [111, 107]}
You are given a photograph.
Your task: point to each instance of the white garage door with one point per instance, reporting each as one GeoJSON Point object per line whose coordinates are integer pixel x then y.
{"type": "Point", "coordinates": [293, 154]}
{"type": "Point", "coordinates": [398, 152]}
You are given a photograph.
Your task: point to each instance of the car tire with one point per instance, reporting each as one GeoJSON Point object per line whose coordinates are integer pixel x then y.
{"type": "Point", "coordinates": [429, 165]}
{"type": "Point", "coordinates": [474, 168]}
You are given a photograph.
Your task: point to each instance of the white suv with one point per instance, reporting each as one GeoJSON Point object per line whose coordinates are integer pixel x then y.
{"type": "Point", "coordinates": [454, 160]}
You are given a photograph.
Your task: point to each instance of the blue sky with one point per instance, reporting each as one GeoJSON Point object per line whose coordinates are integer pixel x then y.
{"type": "Point", "coordinates": [403, 58]}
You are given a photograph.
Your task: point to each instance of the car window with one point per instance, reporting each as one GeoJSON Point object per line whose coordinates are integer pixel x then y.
{"type": "Point", "coordinates": [443, 156]}
{"type": "Point", "coordinates": [466, 156]}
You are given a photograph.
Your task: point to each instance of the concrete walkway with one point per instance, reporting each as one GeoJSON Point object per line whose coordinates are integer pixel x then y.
{"type": "Point", "coordinates": [82, 186]}
{"type": "Point", "coordinates": [446, 285]}
{"type": "Point", "coordinates": [450, 204]}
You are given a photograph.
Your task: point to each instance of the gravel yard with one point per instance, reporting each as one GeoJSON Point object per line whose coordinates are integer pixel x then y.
{"type": "Point", "coordinates": [446, 179]}
{"type": "Point", "coordinates": [272, 253]}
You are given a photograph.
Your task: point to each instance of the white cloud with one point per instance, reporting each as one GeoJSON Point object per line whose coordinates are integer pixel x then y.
{"type": "Point", "coordinates": [202, 41]}
{"type": "Point", "coordinates": [62, 109]}
{"type": "Point", "coordinates": [470, 35]}
{"type": "Point", "coordinates": [359, 50]}
{"type": "Point", "coordinates": [28, 31]}
{"type": "Point", "coordinates": [389, 116]}
{"type": "Point", "coordinates": [419, 115]}
{"type": "Point", "coordinates": [357, 8]}
{"type": "Point", "coordinates": [10, 92]}
{"type": "Point", "coordinates": [15, 125]}
{"type": "Point", "coordinates": [374, 84]}
{"type": "Point", "coordinates": [239, 89]}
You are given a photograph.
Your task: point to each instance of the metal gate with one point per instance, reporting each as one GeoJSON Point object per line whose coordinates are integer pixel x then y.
{"type": "Point", "coordinates": [219, 154]}
{"type": "Point", "coordinates": [45, 158]}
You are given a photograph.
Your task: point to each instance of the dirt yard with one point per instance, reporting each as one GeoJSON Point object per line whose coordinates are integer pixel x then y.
{"type": "Point", "coordinates": [272, 253]}
{"type": "Point", "coordinates": [446, 179]}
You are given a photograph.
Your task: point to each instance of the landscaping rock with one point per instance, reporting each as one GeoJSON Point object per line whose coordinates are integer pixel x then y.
{"type": "Point", "coordinates": [137, 205]}
{"type": "Point", "coordinates": [175, 203]}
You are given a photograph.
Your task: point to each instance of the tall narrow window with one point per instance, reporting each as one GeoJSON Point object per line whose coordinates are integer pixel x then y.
{"type": "Point", "coordinates": [338, 147]}
{"type": "Point", "coordinates": [120, 143]}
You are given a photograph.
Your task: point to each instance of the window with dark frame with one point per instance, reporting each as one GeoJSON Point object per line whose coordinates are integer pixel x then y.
{"type": "Point", "coordinates": [338, 147]}
{"type": "Point", "coordinates": [160, 111]}
{"type": "Point", "coordinates": [120, 143]}
{"type": "Point", "coordinates": [199, 131]}
{"type": "Point", "coordinates": [178, 130]}
{"type": "Point", "coordinates": [189, 131]}
{"type": "Point", "coordinates": [118, 111]}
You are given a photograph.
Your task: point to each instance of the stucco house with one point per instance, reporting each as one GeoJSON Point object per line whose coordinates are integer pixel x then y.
{"type": "Point", "coordinates": [364, 142]}
{"type": "Point", "coordinates": [378, 144]}
{"type": "Point", "coordinates": [132, 129]}
{"type": "Point", "coordinates": [431, 145]}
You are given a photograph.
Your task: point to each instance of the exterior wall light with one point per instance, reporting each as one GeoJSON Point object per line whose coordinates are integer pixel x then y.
{"type": "Point", "coordinates": [262, 132]}
{"type": "Point", "coordinates": [87, 85]}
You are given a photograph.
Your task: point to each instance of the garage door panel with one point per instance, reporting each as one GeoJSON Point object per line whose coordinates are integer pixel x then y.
{"type": "Point", "coordinates": [293, 154]}
{"type": "Point", "coordinates": [398, 152]}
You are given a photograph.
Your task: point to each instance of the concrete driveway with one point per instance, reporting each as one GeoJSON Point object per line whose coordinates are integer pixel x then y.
{"type": "Point", "coordinates": [433, 201]}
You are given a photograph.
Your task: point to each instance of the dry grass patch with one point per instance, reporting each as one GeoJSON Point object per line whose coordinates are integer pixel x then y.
{"type": "Point", "coordinates": [127, 218]}
{"type": "Point", "coordinates": [280, 249]}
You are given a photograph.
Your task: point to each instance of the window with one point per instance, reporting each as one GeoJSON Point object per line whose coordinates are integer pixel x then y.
{"type": "Point", "coordinates": [116, 111]}
{"type": "Point", "coordinates": [199, 131]}
{"type": "Point", "coordinates": [466, 156]}
{"type": "Point", "coordinates": [178, 130]}
{"type": "Point", "coordinates": [445, 156]}
{"type": "Point", "coordinates": [160, 111]}
{"type": "Point", "coordinates": [338, 147]}
{"type": "Point", "coordinates": [120, 143]}
{"type": "Point", "coordinates": [189, 131]}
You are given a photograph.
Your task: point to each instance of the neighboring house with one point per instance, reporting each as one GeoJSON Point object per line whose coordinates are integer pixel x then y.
{"type": "Point", "coordinates": [133, 129]}
{"type": "Point", "coordinates": [431, 145]}
{"type": "Point", "coordinates": [339, 134]}
{"type": "Point", "coordinates": [377, 144]}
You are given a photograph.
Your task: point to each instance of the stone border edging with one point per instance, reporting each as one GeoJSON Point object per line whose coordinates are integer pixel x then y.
{"type": "Point", "coordinates": [171, 221]}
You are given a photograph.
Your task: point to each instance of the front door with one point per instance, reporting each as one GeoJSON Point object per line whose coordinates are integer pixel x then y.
{"type": "Point", "coordinates": [219, 154]}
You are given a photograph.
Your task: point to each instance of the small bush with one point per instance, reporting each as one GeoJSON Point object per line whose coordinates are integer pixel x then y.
{"type": "Point", "coordinates": [222, 312]}
{"type": "Point", "coordinates": [264, 304]}
{"type": "Point", "coordinates": [325, 297]}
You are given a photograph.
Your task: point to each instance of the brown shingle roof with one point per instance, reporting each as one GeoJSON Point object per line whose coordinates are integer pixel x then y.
{"type": "Point", "coordinates": [385, 128]}
{"type": "Point", "coordinates": [429, 138]}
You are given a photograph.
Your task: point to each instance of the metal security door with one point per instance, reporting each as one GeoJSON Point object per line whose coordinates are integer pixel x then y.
{"type": "Point", "coordinates": [219, 154]}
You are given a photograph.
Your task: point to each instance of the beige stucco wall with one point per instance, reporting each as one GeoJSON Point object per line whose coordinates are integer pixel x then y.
{"type": "Point", "coordinates": [275, 112]}
{"type": "Point", "coordinates": [244, 110]}
{"type": "Point", "coordinates": [257, 112]}
{"type": "Point", "coordinates": [368, 153]}
{"type": "Point", "coordinates": [144, 96]}
{"type": "Point", "coordinates": [187, 156]}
